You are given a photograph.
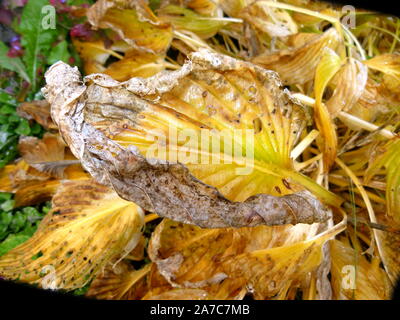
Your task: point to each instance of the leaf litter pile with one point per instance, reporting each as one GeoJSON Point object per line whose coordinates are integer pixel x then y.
{"type": "Point", "coordinates": [294, 193]}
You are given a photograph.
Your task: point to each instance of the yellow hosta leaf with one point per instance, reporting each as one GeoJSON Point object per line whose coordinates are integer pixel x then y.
{"type": "Point", "coordinates": [264, 260]}
{"type": "Point", "coordinates": [388, 155]}
{"type": "Point", "coordinates": [233, 7]}
{"type": "Point", "coordinates": [29, 185]}
{"type": "Point", "coordinates": [134, 22]}
{"type": "Point", "coordinates": [182, 18]}
{"type": "Point", "coordinates": [120, 282]}
{"type": "Point", "coordinates": [273, 21]}
{"type": "Point", "coordinates": [135, 64]}
{"type": "Point", "coordinates": [88, 226]}
{"type": "Point", "coordinates": [298, 65]}
{"type": "Point", "coordinates": [206, 7]}
{"type": "Point", "coordinates": [354, 277]}
{"type": "Point", "coordinates": [390, 248]}
{"type": "Point", "coordinates": [254, 121]}
{"type": "Point", "coordinates": [387, 63]}
{"type": "Point", "coordinates": [326, 69]}
{"type": "Point", "coordinates": [94, 54]}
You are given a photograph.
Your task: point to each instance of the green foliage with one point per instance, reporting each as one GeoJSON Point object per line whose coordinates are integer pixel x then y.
{"type": "Point", "coordinates": [59, 52]}
{"type": "Point", "coordinates": [13, 64]}
{"type": "Point", "coordinates": [35, 40]}
{"type": "Point", "coordinates": [11, 126]}
{"type": "Point", "coordinates": [17, 225]}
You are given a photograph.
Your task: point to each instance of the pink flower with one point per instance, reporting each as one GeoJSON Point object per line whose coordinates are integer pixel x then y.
{"type": "Point", "coordinates": [81, 31]}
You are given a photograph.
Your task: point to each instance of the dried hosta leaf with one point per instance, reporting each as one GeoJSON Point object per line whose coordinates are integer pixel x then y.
{"type": "Point", "coordinates": [135, 64]}
{"type": "Point", "coordinates": [372, 102]}
{"type": "Point", "coordinates": [6, 184]}
{"type": "Point", "coordinates": [388, 155]}
{"type": "Point", "coordinates": [233, 7]}
{"type": "Point", "coordinates": [134, 22]}
{"type": "Point", "coordinates": [32, 186]}
{"type": "Point", "coordinates": [387, 63]}
{"type": "Point", "coordinates": [36, 177]}
{"type": "Point", "coordinates": [39, 111]}
{"type": "Point", "coordinates": [263, 260]}
{"type": "Point", "coordinates": [119, 282]}
{"type": "Point", "coordinates": [181, 294]}
{"type": "Point", "coordinates": [137, 254]}
{"type": "Point", "coordinates": [46, 155]}
{"type": "Point", "coordinates": [94, 54]}
{"type": "Point", "coordinates": [186, 19]}
{"type": "Point", "coordinates": [350, 82]}
{"type": "Point", "coordinates": [273, 21]}
{"type": "Point", "coordinates": [390, 248]}
{"type": "Point", "coordinates": [115, 134]}
{"type": "Point", "coordinates": [298, 65]}
{"type": "Point", "coordinates": [354, 277]}
{"type": "Point", "coordinates": [88, 226]}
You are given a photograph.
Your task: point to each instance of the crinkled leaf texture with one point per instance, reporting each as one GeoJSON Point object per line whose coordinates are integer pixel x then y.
{"type": "Point", "coordinates": [134, 22]}
{"type": "Point", "coordinates": [111, 126]}
{"type": "Point", "coordinates": [88, 227]}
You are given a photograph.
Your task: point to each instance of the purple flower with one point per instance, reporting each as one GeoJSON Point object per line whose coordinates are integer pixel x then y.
{"type": "Point", "coordinates": [16, 48]}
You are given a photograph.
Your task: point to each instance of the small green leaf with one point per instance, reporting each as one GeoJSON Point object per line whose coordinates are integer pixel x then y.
{"type": "Point", "coordinates": [13, 64]}
{"type": "Point", "coordinates": [23, 128]}
{"type": "Point", "coordinates": [7, 109]}
{"type": "Point", "coordinates": [6, 98]}
{"type": "Point", "coordinates": [35, 39]}
{"type": "Point", "coordinates": [59, 53]}
{"type": "Point", "coordinates": [7, 205]}
{"type": "Point", "coordinates": [12, 241]}
{"type": "Point", "coordinates": [18, 222]}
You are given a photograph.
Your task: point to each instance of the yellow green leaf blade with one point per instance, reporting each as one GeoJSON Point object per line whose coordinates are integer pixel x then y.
{"type": "Point", "coordinates": [88, 226]}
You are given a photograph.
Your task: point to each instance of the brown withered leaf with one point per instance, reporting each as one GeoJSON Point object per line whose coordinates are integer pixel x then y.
{"type": "Point", "coordinates": [88, 226]}
{"type": "Point", "coordinates": [111, 127]}
{"type": "Point", "coordinates": [372, 102]}
{"type": "Point", "coordinates": [39, 111]}
{"type": "Point", "coordinates": [273, 21]}
{"type": "Point", "coordinates": [37, 181]}
{"type": "Point", "coordinates": [354, 277]}
{"type": "Point", "coordinates": [261, 260]}
{"type": "Point", "coordinates": [119, 282]}
{"type": "Point", "coordinates": [350, 82]}
{"type": "Point", "coordinates": [134, 22]}
{"type": "Point", "coordinates": [29, 185]}
{"type": "Point", "coordinates": [390, 248]}
{"type": "Point", "coordinates": [297, 65]}
{"type": "Point", "coordinates": [46, 155]}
